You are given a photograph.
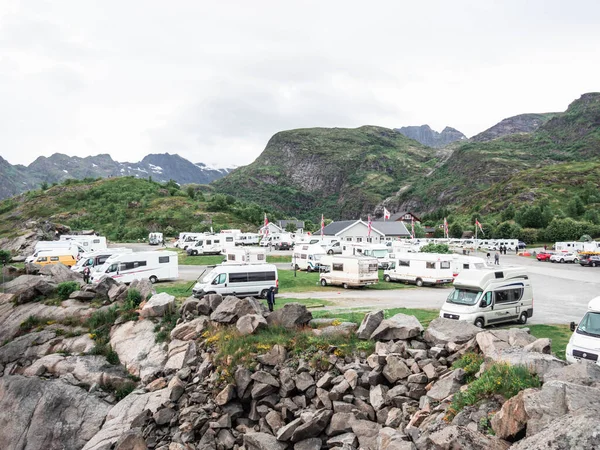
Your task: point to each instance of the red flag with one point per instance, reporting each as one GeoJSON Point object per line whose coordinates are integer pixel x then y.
{"type": "Point", "coordinates": [386, 214]}
{"type": "Point", "coordinates": [445, 228]}
{"type": "Point", "coordinates": [412, 224]}
{"type": "Point", "coordinates": [370, 225]}
{"type": "Point", "coordinates": [479, 225]}
{"type": "Point", "coordinates": [266, 226]}
{"type": "Point", "coordinates": [322, 225]}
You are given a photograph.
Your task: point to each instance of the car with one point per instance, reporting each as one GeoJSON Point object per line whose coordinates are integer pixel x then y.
{"type": "Point", "coordinates": [544, 256]}
{"type": "Point", "coordinates": [283, 246]}
{"type": "Point", "coordinates": [565, 257]}
{"type": "Point", "coordinates": [590, 260]}
{"type": "Point", "coordinates": [521, 245]}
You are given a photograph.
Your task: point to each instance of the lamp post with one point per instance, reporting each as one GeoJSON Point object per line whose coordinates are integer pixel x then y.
{"type": "Point", "coordinates": [295, 265]}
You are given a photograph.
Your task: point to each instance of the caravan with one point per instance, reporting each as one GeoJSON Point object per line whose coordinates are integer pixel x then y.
{"type": "Point", "coordinates": [248, 239]}
{"type": "Point", "coordinates": [491, 296]}
{"type": "Point", "coordinates": [569, 247]}
{"type": "Point", "coordinates": [126, 267]}
{"type": "Point", "coordinates": [463, 262]}
{"type": "Point", "coordinates": [97, 258]}
{"type": "Point", "coordinates": [239, 280]}
{"type": "Point", "coordinates": [207, 245]}
{"type": "Point", "coordinates": [88, 243]}
{"type": "Point", "coordinates": [585, 340]}
{"type": "Point", "coordinates": [187, 239]}
{"type": "Point", "coordinates": [349, 271]}
{"type": "Point", "coordinates": [420, 268]}
{"type": "Point", "coordinates": [307, 257]}
{"type": "Point", "coordinates": [245, 256]}
{"type": "Point", "coordinates": [379, 251]}
{"type": "Point", "coordinates": [155, 238]}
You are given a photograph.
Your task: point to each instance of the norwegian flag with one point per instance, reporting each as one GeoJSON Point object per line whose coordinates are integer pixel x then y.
{"type": "Point", "coordinates": [322, 225]}
{"type": "Point", "coordinates": [386, 214]}
{"type": "Point", "coordinates": [266, 226]}
{"type": "Point", "coordinates": [446, 228]}
{"type": "Point", "coordinates": [370, 224]}
{"type": "Point", "coordinates": [412, 226]}
{"type": "Point", "coordinates": [477, 224]}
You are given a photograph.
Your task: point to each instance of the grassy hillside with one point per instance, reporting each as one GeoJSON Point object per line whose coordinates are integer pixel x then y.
{"type": "Point", "coordinates": [340, 172]}
{"type": "Point", "coordinates": [126, 208]}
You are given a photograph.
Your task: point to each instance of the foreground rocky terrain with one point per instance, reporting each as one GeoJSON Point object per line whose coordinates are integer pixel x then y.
{"type": "Point", "coordinates": [91, 372]}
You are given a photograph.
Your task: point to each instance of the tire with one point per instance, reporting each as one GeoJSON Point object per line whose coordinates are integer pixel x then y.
{"type": "Point", "coordinates": [345, 285]}
{"type": "Point", "coordinates": [309, 269]}
{"type": "Point", "coordinates": [153, 279]}
{"type": "Point", "coordinates": [263, 293]}
{"type": "Point", "coordinates": [323, 282]}
{"type": "Point", "coordinates": [523, 318]}
{"type": "Point", "coordinates": [195, 253]}
{"type": "Point", "coordinates": [562, 260]}
{"type": "Point", "coordinates": [479, 322]}
{"type": "Point", "coordinates": [387, 278]}
{"type": "Point", "coordinates": [419, 282]}
{"type": "Point", "coordinates": [330, 252]}
{"type": "Point", "coordinates": [594, 264]}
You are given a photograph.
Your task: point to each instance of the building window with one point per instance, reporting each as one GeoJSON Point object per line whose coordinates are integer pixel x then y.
{"type": "Point", "coordinates": [358, 239]}
{"type": "Point", "coordinates": [349, 239]}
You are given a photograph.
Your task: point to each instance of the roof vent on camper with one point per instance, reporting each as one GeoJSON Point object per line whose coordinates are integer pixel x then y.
{"type": "Point", "coordinates": [499, 274]}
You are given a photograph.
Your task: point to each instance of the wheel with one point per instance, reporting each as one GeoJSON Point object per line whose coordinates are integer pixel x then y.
{"type": "Point", "coordinates": [153, 279]}
{"type": "Point", "coordinates": [345, 285]}
{"type": "Point", "coordinates": [387, 278]}
{"type": "Point", "coordinates": [479, 322]}
{"type": "Point", "coordinates": [523, 318]}
{"type": "Point", "coordinates": [195, 253]}
{"type": "Point", "coordinates": [419, 282]}
{"type": "Point", "coordinates": [575, 261]}
{"type": "Point", "coordinates": [309, 269]}
{"type": "Point", "coordinates": [594, 264]}
{"type": "Point", "coordinates": [330, 252]}
{"type": "Point", "coordinates": [562, 260]}
{"type": "Point", "coordinates": [297, 267]}
{"type": "Point", "coordinates": [323, 282]}
{"type": "Point", "coordinates": [264, 293]}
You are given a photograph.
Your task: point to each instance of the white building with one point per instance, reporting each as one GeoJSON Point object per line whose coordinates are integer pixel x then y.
{"type": "Point", "coordinates": [358, 231]}
{"type": "Point", "coordinates": [273, 229]}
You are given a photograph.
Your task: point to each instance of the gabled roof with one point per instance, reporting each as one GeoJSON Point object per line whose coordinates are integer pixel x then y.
{"type": "Point", "coordinates": [334, 228]}
{"type": "Point", "coordinates": [297, 223]}
{"type": "Point", "coordinates": [400, 214]}
{"type": "Point", "coordinates": [391, 228]}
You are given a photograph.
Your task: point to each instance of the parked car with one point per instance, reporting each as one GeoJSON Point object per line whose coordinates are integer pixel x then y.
{"type": "Point", "coordinates": [521, 244]}
{"type": "Point", "coordinates": [590, 260]}
{"type": "Point", "coordinates": [565, 257]}
{"type": "Point", "coordinates": [544, 256]}
{"type": "Point", "coordinates": [283, 246]}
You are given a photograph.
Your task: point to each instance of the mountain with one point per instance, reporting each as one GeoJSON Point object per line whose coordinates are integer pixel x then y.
{"type": "Point", "coordinates": [59, 167]}
{"type": "Point", "coordinates": [426, 136]}
{"type": "Point", "coordinates": [340, 172]}
{"type": "Point", "coordinates": [523, 123]}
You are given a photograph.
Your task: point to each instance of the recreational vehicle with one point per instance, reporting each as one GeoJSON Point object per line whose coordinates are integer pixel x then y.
{"type": "Point", "coordinates": [207, 245]}
{"type": "Point", "coordinates": [97, 258]}
{"type": "Point", "coordinates": [238, 279]}
{"type": "Point", "coordinates": [349, 271]}
{"type": "Point", "coordinates": [278, 240]}
{"type": "Point", "coordinates": [379, 251]}
{"type": "Point", "coordinates": [490, 296]}
{"type": "Point", "coordinates": [64, 247]}
{"type": "Point", "coordinates": [187, 239]}
{"type": "Point", "coordinates": [420, 268]}
{"type": "Point", "coordinates": [45, 258]}
{"type": "Point", "coordinates": [462, 262]}
{"type": "Point", "coordinates": [126, 267]}
{"type": "Point", "coordinates": [307, 257]}
{"type": "Point", "coordinates": [89, 243]}
{"type": "Point", "coordinates": [585, 340]}
{"type": "Point", "coordinates": [248, 239]}
{"type": "Point", "coordinates": [155, 238]}
{"type": "Point", "coordinates": [567, 247]}
{"type": "Point", "coordinates": [245, 256]}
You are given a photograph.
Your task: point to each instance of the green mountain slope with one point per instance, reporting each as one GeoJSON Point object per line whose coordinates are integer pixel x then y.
{"type": "Point", "coordinates": [342, 173]}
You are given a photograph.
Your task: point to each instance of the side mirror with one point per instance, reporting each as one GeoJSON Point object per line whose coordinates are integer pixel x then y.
{"type": "Point", "coordinates": [572, 326]}
{"type": "Point", "coordinates": [483, 304]}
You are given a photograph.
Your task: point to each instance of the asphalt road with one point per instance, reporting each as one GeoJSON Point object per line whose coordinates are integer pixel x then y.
{"type": "Point", "coordinates": [561, 291]}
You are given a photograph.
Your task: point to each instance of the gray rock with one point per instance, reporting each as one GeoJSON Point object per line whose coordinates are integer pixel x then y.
{"type": "Point", "coordinates": [203, 307]}
{"type": "Point", "coordinates": [243, 379]}
{"type": "Point", "coordinates": [189, 306]}
{"type": "Point", "coordinates": [454, 437]}
{"type": "Point", "coordinates": [226, 395]}
{"type": "Point", "coordinates": [158, 305]}
{"type": "Point", "coordinates": [118, 292]}
{"type": "Point", "coordinates": [340, 423]}
{"type": "Point", "coordinates": [208, 441]}
{"type": "Point", "coordinates": [250, 323]}
{"type": "Point", "coordinates": [144, 287]}
{"type": "Point", "coordinates": [262, 441]}
{"type": "Point", "coordinates": [539, 363]}
{"type": "Point", "coordinates": [292, 315]}
{"type": "Point", "coordinates": [313, 427]}
{"type": "Point", "coordinates": [444, 388]}
{"type": "Point", "coordinates": [132, 440]}
{"type": "Point", "coordinates": [286, 432]}
{"type": "Point", "coordinates": [400, 326]}
{"type": "Point", "coordinates": [303, 381]}
{"type": "Point", "coordinates": [325, 381]}
{"type": "Point", "coordinates": [366, 432]}
{"type": "Point", "coordinates": [225, 438]}
{"type": "Point", "coordinates": [104, 286]}
{"type": "Point", "coordinates": [369, 324]}
{"type": "Point", "coordinates": [543, 345]}
{"type": "Point", "coordinates": [395, 369]}
{"type": "Point", "coordinates": [390, 439]}
{"type": "Point", "coordinates": [343, 440]}
{"type": "Point", "coordinates": [492, 342]}
{"type": "Point", "coordinates": [192, 330]}
{"type": "Point", "coordinates": [163, 416]}
{"type": "Point", "coordinates": [277, 355]}
{"type": "Point", "coordinates": [441, 331]}
{"type": "Point", "coordinates": [232, 308]}
{"type": "Point", "coordinates": [378, 396]}
{"type": "Point", "coordinates": [27, 288]}
{"type": "Point", "coordinates": [84, 296]}
{"type": "Point", "coordinates": [584, 373]}
{"type": "Point", "coordinates": [309, 444]}
{"type": "Point", "coordinates": [266, 378]}
{"type": "Point", "coordinates": [61, 273]}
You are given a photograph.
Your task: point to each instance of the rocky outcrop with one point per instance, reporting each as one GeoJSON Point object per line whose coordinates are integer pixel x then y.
{"type": "Point", "coordinates": [426, 136]}
{"type": "Point", "coordinates": [292, 315]}
{"type": "Point", "coordinates": [441, 331]}
{"type": "Point", "coordinates": [232, 308]}
{"type": "Point", "coordinates": [523, 123]}
{"type": "Point", "coordinates": [61, 273]}
{"type": "Point", "coordinates": [27, 288]}
{"type": "Point", "coordinates": [158, 305]}
{"type": "Point", "coordinates": [399, 326]}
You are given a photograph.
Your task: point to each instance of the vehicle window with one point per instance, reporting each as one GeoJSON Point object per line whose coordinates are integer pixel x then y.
{"type": "Point", "coordinates": [430, 265]}
{"type": "Point", "coordinates": [231, 257]}
{"type": "Point", "coordinates": [464, 297]}
{"type": "Point", "coordinates": [487, 298]}
{"type": "Point", "coordinates": [337, 267]}
{"type": "Point", "coordinates": [238, 277]}
{"type": "Point", "coordinates": [229, 239]}
{"type": "Point", "coordinates": [163, 259]}
{"type": "Point", "coordinates": [208, 242]}
{"type": "Point", "coordinates": [403, 263]}
{"type": "Point", "coordinates": [101, 260]}
{"type": "Point", "coordinates": [504, 296]}
{"type": "Point", "coordinates": [590, 324]}
{"type": "Point", "coordinates": [90, 262]}
{"type": "Point", "coordinates": [54, 258]}
{"type": "Point", "coordinates": [216, 241]}
{"type": "Point", "coordinates": [303, 256]}
{"type": "Point", "coordinates": [373, 268]}
{"type": "Point", "coordinates": [96, 241]}
{"type": "Point", "coordinates": [446, 265]}
{"type": "Point", "coordinates": [358, 239]}
{"type": "Point", "coordinates": [260, 257]}
{"type": "Point", "coordinates": [112, 268]}
{"type": "Point", "coordinates": [222, 278]}
{"type": "Point", "coordinates": [465, 266]}
{"type": "Point", "coordinates": [349, 239]}
{"type": "Point", "coordinates": [42, 259]}
{"type": "Point", "coordinates": [257, 276]}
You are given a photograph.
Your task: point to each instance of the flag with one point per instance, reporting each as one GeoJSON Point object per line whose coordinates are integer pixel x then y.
{"type": "Point", "coordinates": [386, 214]}
{"type": "Point", "coordinates": [322, 225]}
{"type": "Point", "coordinates": [412, 226]}
{"type": "Point", "coordinates": [370, 225]}
{"type": "Point", "coordinates": [477, 224]}
{"type": "Point", "coordinates": [266, 226]}
{"type": "Point", "coordinates": [445, 228]}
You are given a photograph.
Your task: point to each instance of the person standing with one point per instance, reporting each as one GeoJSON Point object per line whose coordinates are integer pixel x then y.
{"type": "Point", "coordinates": [271, 298]}
{"type": "Point", "coordinates": [497, 259]}
{"type": "Point", "coordinates": [86, 275]}
{"type": "Point", "coordinates": [488, 257]}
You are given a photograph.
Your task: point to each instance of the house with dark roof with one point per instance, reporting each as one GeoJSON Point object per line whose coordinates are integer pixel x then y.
{"type": "Point", "coordinates": [404, 216]}
{"type": "Point", "coordinates": [358, 231]}
{"type": "Point", "coordinates": [299, 224]}
{"type": "Point", "coordinates": [273, 229]}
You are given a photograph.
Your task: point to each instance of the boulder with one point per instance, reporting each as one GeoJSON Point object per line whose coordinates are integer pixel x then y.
{"type": "Point", "coordinates": [292, 315]}
{"type": "Point", "coordinates": [158, 305]}
{"type": "Point", "coordinates": [343, 329]}
{"type": "Point", "coordinates": [132, 440]}
{"type": "Point", "coordinates": [192, 330]}
{"type": "Point", "coordinates": [584, 373]}
{"type": "Point", "coordinates": [441, 331]}
{"type": "Point", "coordinates": [27, 288]}
{"type": "Point", "coordinates": [250, 323]}
{"type": "Point", "coordinates": [400, 326]}
{"type": "Point", "coordinates": [262, 441]}
{"type": "Point", "coordinates": [391, 439]}
{"type": "Point", "coordinates": [309, 444]}
{"type": "Point", "coordinates": [455, 437]}
{"type": "Point", "coordinates": [117, 293]}
{"type": "Point", "coordinates": [214, 300]}
{"type": "Point", "coordinates": [84, 296]}
{"type": "Point", "coordinates": [32, 269]}
{"type": "Point", "coordinates": [181, 354]}
{"type": "Point", "coordinates": [277, 355]}
{"type": "Point", "coordinates": [511, 419]}
{"type": "Point", "coordinates": [395, 369]}
{"type": "Point", "coordinates": [144, 287]}
{"type": "Point", "coordinates": [61, 273]}
{"type": "Point", "coordinates": [46, 414]}
{"type": "Point", "coordinates": [538, 363]}
{"type": "Point", "coordinates": [492, 342]}
{"type": "Point", "coordinates": [232, 308]}
{"type": "Point", "coordinates": [189, 306]}
{"type": "Point", "coordinates": [313, 426]}
{"type": "Point", "coordinates": [446, 386]}
{"type": "Point", "coordinates": [103, 286]}
{"type": "Point", "coordinates": [369, 324]}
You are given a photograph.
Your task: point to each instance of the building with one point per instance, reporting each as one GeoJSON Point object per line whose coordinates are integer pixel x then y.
{"type": "Point", "coordinates": [273, 229]}
{"type": "Point", "coordinates": [299, 224]}
{"type": "Point", "coordinates": [404, 216]}
{"type": "Point", "coordinates": [358, 231]}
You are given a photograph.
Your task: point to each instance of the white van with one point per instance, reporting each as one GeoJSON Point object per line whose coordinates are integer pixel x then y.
{"type": "Point", "coordinates": [88, 243]}
{"type": "Point", "coordinates": [307, 257]}
{"type": "Point", "coordinates": [245, 256]}
{"type": "Point", "coordinates": [187, 239]}
{"type": "Point", "coordinates": [567, 247]}
{"type": "Point", "coordinates": [126, 267]}
{"type": "Point", "coordinates": [585, 340]}
{"type": "Point", "coordinates": [248, 239]}
{"type": "Point", "coordinates": [97, 258]}
{"type": "Point", "coordinates": [55, 256]}
{"type": "Point", "coordinates": [207, 245]}
{"type": "Point", "coordinates": [486, 297]}
{"type": "Point", "coordinates": [463, 262]}
{"type": "Point", "coordinates": [420, 268]}
{"type": "Point", "coordinates": [349, 271]}
{"type": "Point", "coordinates": [155, 238]}
{"type": "Point", "coordinates": [241, 280]}
{"type": "Point", "coordinates": [64, 247]}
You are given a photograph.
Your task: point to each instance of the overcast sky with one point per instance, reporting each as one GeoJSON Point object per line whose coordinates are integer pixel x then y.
{"type": "Point", "coordinates": [213, 81]}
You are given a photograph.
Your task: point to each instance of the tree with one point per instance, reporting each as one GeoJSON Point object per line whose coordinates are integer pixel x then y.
{"type": "Point", "coordinates": [564, 230]}
{"type": "Point", "coordinates": [191, 192]}
{"type": "Point", "coordinates": [435, 248]}
{"type": "Point", "coordinates": [575, 207]}
{"type": "Point", "coordinates": [5, 257]}
{"type": "Point", "coordinates": [291, 227]}
{"type": "Point", "coordinates": [456, 230]}
{"type": "Point", "coordinates": [44, 186]}
{"type": "Point", "coordinates": [508, 213]}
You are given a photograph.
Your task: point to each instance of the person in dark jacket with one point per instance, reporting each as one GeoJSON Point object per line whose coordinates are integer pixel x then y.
{"type": "Point", "coordinates": [86, 275]}
{"type": "Point", "coordinates": [271, 298]}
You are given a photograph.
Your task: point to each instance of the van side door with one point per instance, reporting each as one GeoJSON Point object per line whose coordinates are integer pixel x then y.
{"type": "Point", "coordinates": [506, 304]}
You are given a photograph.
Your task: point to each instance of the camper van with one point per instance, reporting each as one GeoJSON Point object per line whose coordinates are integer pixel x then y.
{"type": "Point", "coordinates": [248, 239]}
{"type": "Point", "coordinates": [379, 251]}
{"type": "Point", "coordinates": [463, 262]}
{"type": "Point", "coordinates": [187, 239]}
{"type": "Point", "coordinates": [490, 296]}
{"type": "Point", "coordinates": [569, 247]}
{"type": "Point", "coordinates": [97, 258]}
{"type": "Point", "coordinates": [155, 238]}
{"type": "Point", "coordinates": [349, 271]}
{"type": "Point", "coordinates": [90, 243]}
{"type": "Point", "coordinates": [585, 340]}
{"type": "Point", "coordinates": [45, 258]}
{"type": "Point", "coordinates": [211, 244]}
{"type": "Point", "coordinates": [126, 267]}
{"type": "Point", "coordinates": [420, 268]}
{"type": "Point", "coordinates": [307, 257]}
{"type": "Point", "coordinates": [245, 256]}
{"type": "Point", "coordinates": [65, 247]}
{"type": "Point", "coordinates": [238, 279]}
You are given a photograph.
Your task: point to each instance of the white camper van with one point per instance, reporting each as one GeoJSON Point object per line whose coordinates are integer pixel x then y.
{"type": "Point", "coordinates": [420, 268]}
{"type": "Point", "coordinates": [248, 239]}
{"type": "Point", "coordinates": [463, 262]}
{"type": "Point", "coordinates": [126, 267]}
{"type": "Point", "coordinates": [569, 247]}
{"type": "Point", "coordinates": [349, 271]}
{"type": "Point", "coordinates": [245, 256]}
{"type": "Point", "coordinates": [65, 247]}
{"type": "Point", "coordinates": [97, 258]}
{"type": "Point", "coordinates": [585, 340]}
{"type": "Point", "coordinates": [239, 280]}
{"type": "Point", "coordinates": [207, 245]}
{"type": "Point", "coordinates": [155, 238]}
{"type": "Point", "coordinates": [490, 296]}
{"type": "Point", "coordinates": [379, 251]}
{"type": "Point", "coordinates": [88, 243]}
{"type": "Point", "coordinates": [307, 257]}
{"type": "Point", "coordinates": [187, 239]}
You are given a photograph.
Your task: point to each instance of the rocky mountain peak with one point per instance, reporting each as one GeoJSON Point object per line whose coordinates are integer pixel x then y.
{"type": "Point", "coordinates": [426, 136]}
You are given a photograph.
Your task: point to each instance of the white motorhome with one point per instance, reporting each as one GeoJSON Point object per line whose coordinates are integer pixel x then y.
{"type": "Point", "coordinates": [420, 268]}
{"type": "Point", "coordinates": [248, 239]}
{"type": "Point", "coordinates": [187, 239]}
{"type": "Point", "coordinates": [238, 279]}
{"type": "Point", "coordinates": [126, 267]}
{"type": "Point", "coordinates": [155, 238]}
{"type": "Point", "coordinates": [64, 247]}
{"type": "Point", "coordinates": [278, 240]}
{"type": "Point", "coordinates": [379, 251]}
{"type": "Point", "coordinates": [568, 247]}
{"type": "Point", "coordinates": [208, 245]}
{"type": "Point", "coordinates": [585, 340]}
{"type": "Point", "coordinates": [490, 296]}
{"type": "Point", "coordinates": [245, 256]}
{"type": "Point", "coordinates": [593, 246]}
{"type": "Point", "coordinates": [97, 258]}
{"type": "Point", "coordinates": [463, 262]}
{"type": "Point", "coordinates": [349, 271]}
{"type": "Point", "coordinates": [89, 243]}
{"type": "Point", "coordinates": [307, 257]}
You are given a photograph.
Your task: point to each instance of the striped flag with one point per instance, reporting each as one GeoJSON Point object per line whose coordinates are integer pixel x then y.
{"type": "Point", "coordinates": [479, 225]}
{"type": "Point", "coordinates": [322, 225]}
{"type": "Point", "coordinates": [445, 228]}
{"type": "Point", "coordinates": [266, 226]}
{"type": "Point", "coordinates": [386, 214]}
{"type": "Point", "coordinates": [370, 224]}
{"type": "Point", "coordinates": [412, 226]}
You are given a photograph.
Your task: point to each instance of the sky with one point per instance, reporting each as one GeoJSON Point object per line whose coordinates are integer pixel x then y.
{"type": "Point", "coordinates": [213, 81]}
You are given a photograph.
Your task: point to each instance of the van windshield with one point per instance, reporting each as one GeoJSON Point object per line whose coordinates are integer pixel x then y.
{"type": "Point", "coordinates": [590, 324]}
{"type": "Point", "coordinates": [379, 253]}
{"type": "Point", "coordinates": [464, 297]}
{"type": "Point", "coordinates": [209, 277]}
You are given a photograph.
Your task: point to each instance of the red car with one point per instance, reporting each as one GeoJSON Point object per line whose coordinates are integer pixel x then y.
{"type": "Point", "coordinates": [544, 256]}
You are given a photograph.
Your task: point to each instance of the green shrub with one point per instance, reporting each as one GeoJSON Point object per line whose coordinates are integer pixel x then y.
{"type": "Point", "coordinates": [66, 288]}
{"type": "Point", "coordinates": [4, 257]}
{"type": "Point", "coordinates": [133, 300]}
{"type": "Point", "coordinates": [436, 248]}
{"type": "Point", "coordinates": [470, 363]}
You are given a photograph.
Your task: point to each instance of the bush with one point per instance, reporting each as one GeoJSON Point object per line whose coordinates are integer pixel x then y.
{"type": "Point", "coordinates": [133, 300]}
{"type": "Point", "coordinates": [4, 257]}
{"type": "Point", "coordinates": [470, 363]}
{"type": "Point", "coordinates": [529, 235]}
{"type": "Point", "coordinates": [64, 290]}
{"type": "Point", "coordinates": [435, 248]}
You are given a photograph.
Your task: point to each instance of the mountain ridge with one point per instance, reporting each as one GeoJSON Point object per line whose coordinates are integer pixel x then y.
{"type": "Point", "coordinates": [431, 138]}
